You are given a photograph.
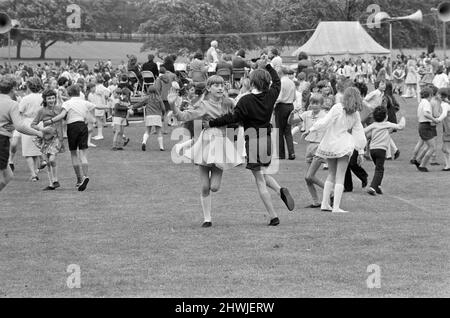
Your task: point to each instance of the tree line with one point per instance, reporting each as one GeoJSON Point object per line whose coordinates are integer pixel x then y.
{"type": "Point", "coordinates": [202, 17]}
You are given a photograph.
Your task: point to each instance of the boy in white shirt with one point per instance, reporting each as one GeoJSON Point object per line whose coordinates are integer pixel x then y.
{"type": "Point", "coordinates": [445, 120]}
{"type": "Point", "coordinates": [379, 133]}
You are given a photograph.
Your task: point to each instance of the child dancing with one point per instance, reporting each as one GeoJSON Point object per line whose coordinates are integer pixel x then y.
{"type": "Point", "coordinates": [52, 141]}
{"type": "Point", "coordinates": [344, 133]}
{"type": "Point", "coordinates": [254, 111]}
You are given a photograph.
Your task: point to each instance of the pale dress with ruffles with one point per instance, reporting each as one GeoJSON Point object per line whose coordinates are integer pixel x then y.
{"type": "Point", "coordinates": [212, 148]}
{"type": "Point", "coordinates": [343, 133]}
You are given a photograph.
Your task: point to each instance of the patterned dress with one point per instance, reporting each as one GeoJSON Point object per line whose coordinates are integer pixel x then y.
{"type": "Point", "coordinates": [50, 143]}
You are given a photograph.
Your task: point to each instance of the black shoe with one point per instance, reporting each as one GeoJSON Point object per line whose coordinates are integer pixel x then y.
{"type": "Point", "coordinates": [435, 164]}
{"type": "Point", "coordinates": [422, 169]}
{"type": "Point", "coordinates": [417, 163]}
{"type": "Point", "coordinates": [332, 200]}
{"type": "Point", "coordinates": [49, 188]}
{"type": "Point", "coordinates": [372, 191]}
{"type": "Point", "coordinates": [364, 183]}
{"type": "Point", "coordinates": [448, 169]}
{"type": "Point", "coordinates": [287, 199]}
{"type": "Point", "coordinates": [388, 159]}
{"type": "Point", "coordinates": [397, 154]}
{"type": "Point", "coordinates": [43, 165]}
{"type": "Point", "coordinates": [119, 148]}
{"type": "Point", "coordinates": [56, 185]}
{"type": "Point", "coordinates": [206, 224]}
{"type": "Point", "coordinates": [126, 142]}
{"type": "Point", "coordinates": [11, 165]}
{"type": "Point", "coordinates": [83, 184]}
{"type": "Point", "coordinates": [378, 190]}
{"type": "Point", "coordinates": [313, 206]}
{"type": "Point", "coordinates": [274, 222]}
{"type": "Point", "coordinates": [292, 157]}
{"type": "Point", "coordinates": [144, 147]}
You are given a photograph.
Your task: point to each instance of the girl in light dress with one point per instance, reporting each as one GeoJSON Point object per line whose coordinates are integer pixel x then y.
{"type": "Point", "coordinates": [344, 133]}
{"type": "Point", "coordinates": [213, 152]}
{"type": "Point", "coordinates": [411, 80]}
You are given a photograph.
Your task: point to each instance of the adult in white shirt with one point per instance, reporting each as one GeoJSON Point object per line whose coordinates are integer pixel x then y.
{"type": "Point", "coordinates": [212, 57]}
{"type": "Point", "coordinates": [77, 111]}
{"type": "Point", "coordinates": [275, 59]}
{"type": "Point", "coordinates": [441, 79]}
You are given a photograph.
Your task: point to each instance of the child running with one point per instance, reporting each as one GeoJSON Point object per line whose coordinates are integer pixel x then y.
{"type": "Point", "coordinates": [153, 112]}
{"type": "Point", "coordinates": [76, 109]}
{"type": "Point", "coordinates": [445, 120]}
{"type": "Point", "coordinates": [254, 111]}
{"type": "Point", "coordinates": [313, 162]}
{"type": "Point", "coordinates": [51, 144]}
{"type": "Point", "coordinates": [379, 133]}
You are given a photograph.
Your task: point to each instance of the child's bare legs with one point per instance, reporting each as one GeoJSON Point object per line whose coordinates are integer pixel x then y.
{"type": "Point", "coordinates": [446, 152]}
{"type": "Point", "coordinates": [13, 149]}
{"type": "Point", "coordinates": [100, 121]}
{"type": "Point", "coordinates": [417, 149]}
{"type": "Point", "coordinates": [6, 176]}
{"type": "Point", "coordinates": [148, 131]}
{"type": "Point", "coordinates": [211, 179]}
{"type": "Point", "coordinates": [329, 184]}
{"type": "Point", "coordinates": [32, 163]}
{"type": "Point", "coordinates": [261, 183]}
{"type": "Point", "coordinates": [118, 131]}
{"type": "Point", "coordinates": [160, 138]}
{"type": "Point", "coordinates": [431, 144]}
{"type": "Point", "coordinates": [76, 165]}
{"type": "Point", "coordinates": [312, 180]}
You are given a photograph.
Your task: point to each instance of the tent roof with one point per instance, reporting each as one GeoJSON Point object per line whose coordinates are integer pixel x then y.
{"type": "Point", "coordinates": [341, 39]}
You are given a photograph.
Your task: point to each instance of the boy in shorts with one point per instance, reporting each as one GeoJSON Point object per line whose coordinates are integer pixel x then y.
{"type": "Point", "coordinates": [77, 111]}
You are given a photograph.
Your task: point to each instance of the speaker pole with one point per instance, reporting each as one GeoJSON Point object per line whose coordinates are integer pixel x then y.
{"type": "Point", "coordinates": [9, 52]}
{"type": "Point", "coordinates": [444, 43]}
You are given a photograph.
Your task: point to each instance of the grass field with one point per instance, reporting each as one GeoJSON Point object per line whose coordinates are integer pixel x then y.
{"type": "Point", "coordinates": [136, 232]}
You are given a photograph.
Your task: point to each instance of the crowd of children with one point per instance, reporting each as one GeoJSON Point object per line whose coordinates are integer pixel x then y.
{"type": "Point", "coordinates": [342, 120]}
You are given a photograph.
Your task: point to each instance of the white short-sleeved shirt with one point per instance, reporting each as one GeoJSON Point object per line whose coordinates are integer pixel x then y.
{"type": "Point", "coordinates": [30, 105]}
{"type": "Point", "coordinates": [101, 95]}
{"type": "Point", "coordinates": [77, 109]}
{"type": "Point", "coordinates": [309, 119]}
{"type": "Point", "coordinates": [424, 107]}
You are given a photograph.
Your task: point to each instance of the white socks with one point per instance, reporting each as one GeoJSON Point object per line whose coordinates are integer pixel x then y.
{"type": "Point", "coordinates": [206, 206]}
{"type": "Point", "coordinates": [327, 189]}
{"type": "Point", "coordinates": [161, 143]}
{"type": "Point", "coordinates": [145, 138]}
{"type": "Point", "coordinates": [338, 192]}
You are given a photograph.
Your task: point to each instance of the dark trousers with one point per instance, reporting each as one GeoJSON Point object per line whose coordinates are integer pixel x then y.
{"type": "Point", "coordinates": [282, 112]}
{"type": "Point", "coordinates": [378, 157]}
{"type": "Point", "coordinates": [357, 170]}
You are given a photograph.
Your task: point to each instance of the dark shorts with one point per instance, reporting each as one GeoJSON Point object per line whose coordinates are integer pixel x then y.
{"type": "Point", "coordinates": [4, 152]}
{"type": "Point", "coordinates": [167, 106]}
{"type": "Point", "coordinates": [259, 151]}
{"type": "Point", "coordinates": [427, 131]}
{"type": "Point", "coordinates": [77, 136]}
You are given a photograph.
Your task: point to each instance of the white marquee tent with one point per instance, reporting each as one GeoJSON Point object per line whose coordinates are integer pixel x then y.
{"type": "Point", "coordinates": [341, 40]}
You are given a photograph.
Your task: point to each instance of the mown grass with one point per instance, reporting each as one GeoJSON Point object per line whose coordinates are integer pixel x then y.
{"type": "Point", "coordinates": [136, 232]}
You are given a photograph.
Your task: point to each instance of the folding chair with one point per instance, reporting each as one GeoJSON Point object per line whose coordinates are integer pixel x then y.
{"type": "Point", "coordinates": [133, 80]}
{"type": "Point", "coordinates": [148, 79]}
{"type": "Point", "coordinates": [237, 74]}
{"type": "Point", "coordinates": [225, 73]}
